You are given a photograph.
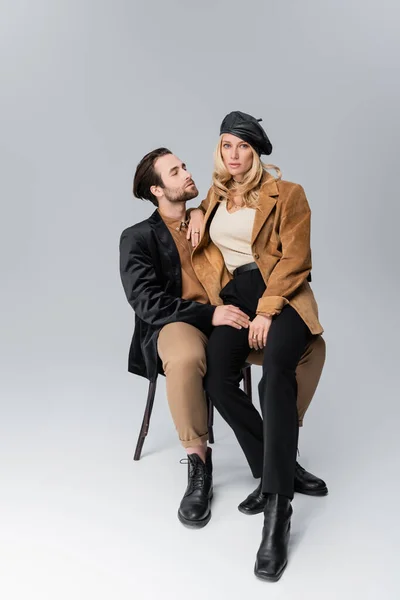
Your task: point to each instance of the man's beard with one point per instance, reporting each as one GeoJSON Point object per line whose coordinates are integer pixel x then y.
{"type": "Point", "coordinates": [182, 194]}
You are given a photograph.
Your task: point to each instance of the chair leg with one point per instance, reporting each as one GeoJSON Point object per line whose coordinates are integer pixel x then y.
{"type": "Point", "coordinates": [146, 419]}
{"type": "Point", "coordinates": [210, 408]}
{"type": "Point", "coordinates": [246, 372]}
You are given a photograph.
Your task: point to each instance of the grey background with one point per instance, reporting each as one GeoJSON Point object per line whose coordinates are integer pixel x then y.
{"type": "Point", "coordinates": [86, 89]}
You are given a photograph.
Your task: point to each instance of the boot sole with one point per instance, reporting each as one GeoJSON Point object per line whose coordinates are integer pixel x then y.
{"type": "Point", "coordinates": [194, 524]}
{"type": "Point", "coordinates": [271, 578]}
{"type": "Point", "coordinates": [323, 492]}
{"type": "Point", "coordinates": [251, 512]}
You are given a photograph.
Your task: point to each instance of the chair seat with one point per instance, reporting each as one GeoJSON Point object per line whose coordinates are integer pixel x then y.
{"type": "Point", "coordinates": [255, 358]}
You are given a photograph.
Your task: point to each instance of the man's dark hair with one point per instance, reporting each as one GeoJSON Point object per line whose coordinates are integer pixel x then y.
{"type": "Point", "coordinates": [146, 175]}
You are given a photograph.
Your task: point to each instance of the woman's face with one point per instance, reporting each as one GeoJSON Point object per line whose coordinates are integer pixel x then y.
{"type": "Point", "coordinates": [237, 155]}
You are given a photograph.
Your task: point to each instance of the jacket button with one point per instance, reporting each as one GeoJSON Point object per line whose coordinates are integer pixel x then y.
{"type": "Point", "coordinates": [256, 256]}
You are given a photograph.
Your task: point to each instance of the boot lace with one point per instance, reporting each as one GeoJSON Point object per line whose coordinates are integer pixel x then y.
{"type": "Point", "coordinates": [196, 474]}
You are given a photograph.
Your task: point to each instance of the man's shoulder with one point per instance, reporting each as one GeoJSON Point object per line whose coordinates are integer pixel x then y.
{"type": "Point", "coordinates": [137, 229]}
{"type": "Point", "coordinates": [142, 229]}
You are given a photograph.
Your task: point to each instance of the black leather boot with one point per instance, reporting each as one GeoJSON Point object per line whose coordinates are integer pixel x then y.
{"type": "Point", "coordinates": [304, 483]}
{"type": "Point", "coordinates": [272, 555]}
{"type": "Point", "coordinates": [307, 483]}
{"type": "Point", "coordinates": [195, 507]}
{"type": "Point", "coordinates": [254, 503]}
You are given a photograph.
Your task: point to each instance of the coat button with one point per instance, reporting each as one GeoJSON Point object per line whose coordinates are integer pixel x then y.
{"type": "Point", "coordinates": [256, 256]}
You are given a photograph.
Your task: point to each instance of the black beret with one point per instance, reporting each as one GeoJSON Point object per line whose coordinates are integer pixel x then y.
{"type": "Point", "coordinates": [248, 129]}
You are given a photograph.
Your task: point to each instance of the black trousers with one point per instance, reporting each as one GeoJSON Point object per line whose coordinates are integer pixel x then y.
{"type": "Point", "coordinates": [269, 443]}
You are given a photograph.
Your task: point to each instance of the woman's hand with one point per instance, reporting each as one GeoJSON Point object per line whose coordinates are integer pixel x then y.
{"type": "Point", "coordinates": [258, 331]}
{"type": "Point", "coordinates": [195, 226]}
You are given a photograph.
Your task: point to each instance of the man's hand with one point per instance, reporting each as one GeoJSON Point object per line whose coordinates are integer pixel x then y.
{"type": "Point", "coordinates": [258, 331]}
{"type": "Point", "coordinates": [230, 315]}
{"type": "Point", "coordinates": [195, 226]}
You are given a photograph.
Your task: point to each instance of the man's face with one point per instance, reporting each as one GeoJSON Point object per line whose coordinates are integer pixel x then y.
{"type": "Point", "coordinates": [178, 183]}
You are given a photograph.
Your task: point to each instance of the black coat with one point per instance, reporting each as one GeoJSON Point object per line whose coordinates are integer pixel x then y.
{"type": "Point", "coordinates": [151, 275]}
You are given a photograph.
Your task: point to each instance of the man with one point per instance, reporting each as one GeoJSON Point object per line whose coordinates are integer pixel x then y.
{"type": "Point", "coordinates": [173, 319]}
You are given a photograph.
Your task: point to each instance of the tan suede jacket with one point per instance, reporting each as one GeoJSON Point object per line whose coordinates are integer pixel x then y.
{"type": "Point", "coordinates": [281, 248]}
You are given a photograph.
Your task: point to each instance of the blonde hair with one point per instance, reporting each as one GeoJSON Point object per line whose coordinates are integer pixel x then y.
{"type": "Point", "coordinates": [225, 186]}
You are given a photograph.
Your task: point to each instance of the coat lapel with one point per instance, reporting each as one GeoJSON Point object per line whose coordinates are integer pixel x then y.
{"type": "Point", "coordinates": [167, 244]}
{"type": "Point", "coordinates": [269, 193]}
{"type": "Point", "coordinates": [207, 217]}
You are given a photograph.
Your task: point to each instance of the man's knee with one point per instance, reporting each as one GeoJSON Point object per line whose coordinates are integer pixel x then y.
{"type": "Point", "coordinates": [308, 374]}
{"type": "Point", "coordinates": [315, 353]}
{"type": "Point", "coordinates": [191, 361]}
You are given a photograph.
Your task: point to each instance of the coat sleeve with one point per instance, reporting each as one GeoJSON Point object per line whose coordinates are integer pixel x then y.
{"type": "Point", "coordinates": [202, 206]}
{"type": "Point", "coordinates": [292, 269]}
{"type": "Point", "coordinates": [146, 295]}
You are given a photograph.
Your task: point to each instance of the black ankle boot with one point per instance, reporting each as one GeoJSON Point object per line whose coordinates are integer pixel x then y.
{"type": "Point", "coordinates": [272, 555]}
{"type": "Point", "coordinates": [307, 483]}
{"type": "Point", "coordinates": [254, 503]}
{"type": "Point", "coordinates": [304, 483]}
{"type": "Point", "coordinates": [195, 508]}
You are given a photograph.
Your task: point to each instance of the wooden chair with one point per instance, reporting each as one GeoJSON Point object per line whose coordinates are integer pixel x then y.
{"type": "Point", "coordinates": [144, 430]}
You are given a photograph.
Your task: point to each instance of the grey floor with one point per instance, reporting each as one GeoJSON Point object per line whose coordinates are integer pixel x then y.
{"type": "Point", "coordinates": [79, 519]}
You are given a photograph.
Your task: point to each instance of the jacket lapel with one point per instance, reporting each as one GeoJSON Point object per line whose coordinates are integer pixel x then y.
{"type": "Point", "coordinates": [269, 193]}
{"type": "Point", "coordinates": [207, 217]}
{"type": "Point", "coordinates": [167, 245]}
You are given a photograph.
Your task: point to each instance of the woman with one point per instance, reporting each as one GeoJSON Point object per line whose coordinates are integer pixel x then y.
{"type": "Point", "coordinates": [255, 253]}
